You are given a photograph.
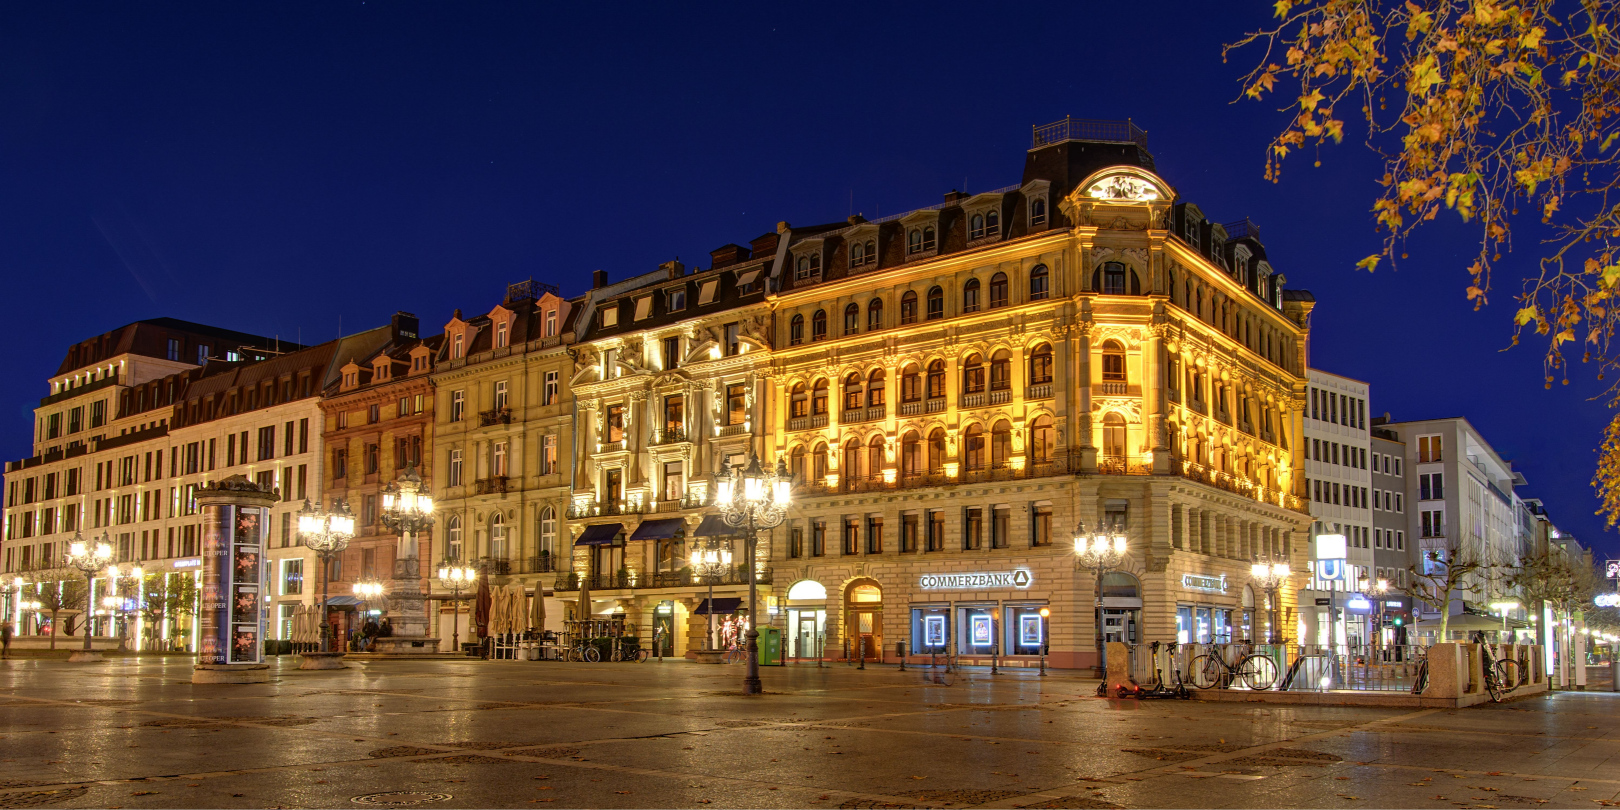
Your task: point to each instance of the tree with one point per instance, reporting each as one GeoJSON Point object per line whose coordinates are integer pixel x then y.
{"type": "Point", "coordinates": [169, 596]}
{"type": "Point", "coordinates": [1446, 573]}
{"type": "Point", "coordinates": [1479, 108]}
{"type": "Point", "coordinates": [59, 595]}
{"type": "Point", "coordinates": [1565, 584]}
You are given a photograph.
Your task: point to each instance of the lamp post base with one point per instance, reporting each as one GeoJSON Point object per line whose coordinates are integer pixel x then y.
{"type": "Point", "coordinates": [753, 686]}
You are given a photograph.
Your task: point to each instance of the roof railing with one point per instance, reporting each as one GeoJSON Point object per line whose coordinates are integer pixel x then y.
{"type": "Point", "coordinates": [1242, 229]}
{"type": "Point", "coordinates": [1084, 129]}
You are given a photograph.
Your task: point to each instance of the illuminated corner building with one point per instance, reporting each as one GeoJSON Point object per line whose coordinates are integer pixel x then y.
{"type": "Point", "coordinates": [376, 421]}
{"type": "Point", "coordinates": [110, 457]}
{"type": "Point", "coordinates": [501, 426]}
{"type": "Point", "coordinates": [669, 384]}
{"type": "Point", "coordinates": [1338, 473]}
{"type": "Point", "coordinates": [956, 387]}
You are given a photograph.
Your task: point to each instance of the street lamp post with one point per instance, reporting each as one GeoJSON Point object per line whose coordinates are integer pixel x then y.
{"type": "Point", "coordinates": [327, 534]}
{"type": "Point", "coordinates": [1046, 613]}
{"type": "Point", "coordinates": [407, 509]}
{"type": "Point", "coordinates": [89, 559]}
{"type": "Point", "coordinates": [757, 499]}
{"type": "Point", "coordinates": [1378, 588]}
{"type": "Point", "coordinates": [1100, 550]}
{"type": "Point", "coordinates": [1270, 577]}
{"type": "Point", "coordinates": [710, 562]}
{"type": "Point", "coordinates": [453, 578]}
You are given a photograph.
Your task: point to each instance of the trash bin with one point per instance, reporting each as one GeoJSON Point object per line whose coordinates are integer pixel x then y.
{"type": "Point", "coordinates": [770, 646]}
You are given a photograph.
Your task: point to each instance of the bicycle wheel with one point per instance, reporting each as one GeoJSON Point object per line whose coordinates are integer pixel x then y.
{"type": "Point", "coordinates": [1507, 674]}
{"type": "Point", "coordinates": [592, 655]}
{"type": "Point", "coordinates": [642, 656]}
{"type": "Point", "coordinates": [1205, 672]}
{"type": "Point", "coordinates": [1258, 671]}
{"type": "Point", "coordinates": [616, 656]}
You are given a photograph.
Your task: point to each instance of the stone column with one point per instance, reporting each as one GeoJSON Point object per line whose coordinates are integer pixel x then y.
{"type": "Point", "coordinates": [1153, 394]}
{"type": "Point", "coordinates": [1083, 428]}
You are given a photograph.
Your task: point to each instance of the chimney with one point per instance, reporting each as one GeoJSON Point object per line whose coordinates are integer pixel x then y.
{"type": "Point", "coordinates": [673, 269]}
{"type": "Point", "coordinates": [783, 226]}
{"type": "Point", "coordinates": [406, 326]}
{"type": "Point", "coordinates": [727, 255]}
{"type": "Point", "coordinates": [953, 195]}
{"type": "Point", "coordinates": [598, 279]}
{"type": "Point", "coordinates": [856, 219]}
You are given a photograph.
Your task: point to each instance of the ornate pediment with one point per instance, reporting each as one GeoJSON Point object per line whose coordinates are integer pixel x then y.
{"type": "Point", "coordinates": [1123, 188]}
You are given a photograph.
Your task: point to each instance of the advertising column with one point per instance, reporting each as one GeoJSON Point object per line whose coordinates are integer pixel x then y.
{"type": "Point", "coordinates": [230, 647]}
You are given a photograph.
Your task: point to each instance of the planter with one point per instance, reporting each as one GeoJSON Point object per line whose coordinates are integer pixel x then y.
{"type": "Point", "coordinates": [708, 656]}
{"type": "Point", "coordinates": [321, 660]}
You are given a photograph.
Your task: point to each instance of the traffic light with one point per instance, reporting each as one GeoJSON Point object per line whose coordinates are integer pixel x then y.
{"type": "Point", "coordinates": [1399, 621]}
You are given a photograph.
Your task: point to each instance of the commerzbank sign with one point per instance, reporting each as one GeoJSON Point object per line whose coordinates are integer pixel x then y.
{"type": "Point", "coordinates": [977, 580]}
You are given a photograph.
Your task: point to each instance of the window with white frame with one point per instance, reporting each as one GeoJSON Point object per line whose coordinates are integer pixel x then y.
{"type": "Point", "coordinates": [548, 454]}
{"type": "Point", "coordinates": [548, 530]}
{"type": "Point", "coordinates": [458, 404]}
{"type": "Point", "coordinates": [455, 468]}
{"type": "Point", "coordinates": [500, 394]}
{"type": "Point", "coordinates": [498, 460]}
{"type": "Point", "coordinates": [551, 390]}
{"type": "Point", "coordinates": [1037, 211]}
{"type": "Point", "coordinates": [501, 330]}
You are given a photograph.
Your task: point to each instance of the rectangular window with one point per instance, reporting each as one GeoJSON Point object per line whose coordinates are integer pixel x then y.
{"type": "Point", "coordinates": [1429, 449]}
{"type": "Point", "coordinates": [674, 481]}
{"type": "Point", "coordinates": [852, 536]}
{"type": "Point", "coordinates": [874, 535]}
{"type": "Point", "coordinates": [174, 349]}
{"type": "Point", "coordinates": [736, 404]}
{"type": "Point", "coordinates": [373, 414]}
{"type": "Point", "coordinates": [1433, 523]}
{"type": "Point", "coordinates": [733, 340]}
{"type": "Point", "coordinates": [455, 468]}
{"type": "Point", "coordinates": [973, 528]}
{"type": "Point", "coordinates": [818, 539]}
{"type": "Point", "coordinates": [615, 423]}
{"type": "Point", "coordinates": [672, 352]}
{"type": "Point", "coordinates": [287, 440]}
{"type": "Point", "coordinates": [610, 315]}
{"type": "Point", "coordinates": [1400, 545]}
{"type": "Point", "coordinates": [498, 460]}
{"type": "Point", "coordinates": [267, 443]}
{"type": "Point", "coordinates": [1041, 525]}
{"type": "Point", "coordinates": [303, 481]}
{"type": "Point", "coordinates": [936, 531]}
{"type": "Point", "coordinates": [230, 450]}
{"type": "Point", "coordinates": [458, 403]}
{"type": "Point", "coordinates": [292, 577]}
{"type": "Point", "coordinates": [1000, 527]}
{"type": "Point", "coordinates": [548, 454]}
{"type": "Point", "coordinates": [550, 392]}
{"type": "Point", "coordinates": [908, 532]}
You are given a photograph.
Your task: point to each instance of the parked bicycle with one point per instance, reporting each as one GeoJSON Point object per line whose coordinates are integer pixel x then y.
{"type": "Point", "coordinates": [1254, 670]}
{"type": "Point", "coordinates": [585, 651]}
{"type": "Point", "coordinates": [1501, 674]}
{"type": "Point", "coordinates": [628, 648]}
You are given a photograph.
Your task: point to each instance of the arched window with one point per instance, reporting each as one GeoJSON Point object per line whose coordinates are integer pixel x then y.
{"type": "Point", "coordinates": [973, 446]}
{"type": "Point", "coordinates": [804, 267]}
{"type": "Point", "coordinates": [936, 379]}
{"type": "Point", "coordinates": [497, 536]}
{"type": "Point", "coordinates": [936, 303]}
{"type": "Point", "coordinates": [1042, 440]}
{"type": "Point", "coordinates": [936, 450]}
{"type": "Point", "coordinates": [1001, 371]}
{"type": "Point", "coordinates": [914, 241]}
{"type": "Point", "coordinates": [452, 538]}
{"type": "Point", "coordinates": [874, 315]}
{"type": "Point", "coordinates": [1040, 364]}
{"type": "Point", "coordinates": [852, 391]}
{"type": "Point", "coordinates": [796, 330]}
{"type": "Point", "coordinates": [910, 383]}
{"type": "Point", "coordinates": [928, 238]}
{"type": "Point", "coordinates": [874, 458]}
{"type": "Point", "coordinates": [1037, 211]}
{"type": "Point", "coordinates": [874, 389]}
{"type": "Point", "coordinates": [818, 398]}
{"type": "Point", "coordinates": [1113, 362]}
{"type": "Point", "coordinates": [852, 461]}
{"type": "Point", "coordinates": [818, 325]}
{"type": "Point", "coordinates": [910, 454]}
{"type": "Point", "coordinates": [1114, 435]}
{"type": "Point", "coordinates": [970, 295]}
{"type": "Point", "coordinates": [973, 374]}
{"type": "Point", "coordinates": [1000, 443]}
{"type": "Point", "coordinates": [800, 405]}
{"type": "Point", "coordinates": [857, 254]}
{"type": "Point", "coordinates": [1109, 279]}
{"type": "Point", "coordinates": [998, 290]}
{"type": "Point", "coordinates": [818, 463]}
{"type": "Point", "coordinates": [548, 531]}
{"type": "Point", "coordinates": [871, 251]}
{"type": "Point", "coordinates": [796, 464]}
{"type": "Point", "coordinates": [976, 227]}
{"type": "Point", "coordinates": [992, 222]}
{"type": "Point", "coordinates": [908, 308]}
{"type": "Point", "coordinates": [852, 319]}
{"type": "Point", "coordinates": [1038, 280]}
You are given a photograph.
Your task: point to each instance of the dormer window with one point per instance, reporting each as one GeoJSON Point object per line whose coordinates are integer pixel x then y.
{"type": "Point", "coordinates": [987, 224]}
{"type": "Point", "coordinates": [920, 240]}
{"type": "Point", "coordinates": [1037, 211]}
{"type": "Point", "coordinates": [1192, 231]}
{"type": "Point", "coordinates": [809, 265]}
{"type": "Point", "coordinates": [675, 300]}
{"type": "Point", "coordinates": [610, 315]}
{"type": "Point", "coordinates": [643, 307]}
{"type": "Point", "coordinates": [551, 323]}
{"type": "Point", "coordinates": [500, 335]}
{"type": "Point", "coordinates": [862, 253]}
{"type": "Point", "coordinates": [458, 347]}
{"type": "Point", "coordinates": [1217, 251]}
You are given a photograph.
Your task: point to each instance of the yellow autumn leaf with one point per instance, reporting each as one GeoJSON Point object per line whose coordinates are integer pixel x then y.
{"type": "Point", "coordinates": [1526, 315]}
{"type": "Point", "coordinates": [1369, 264]}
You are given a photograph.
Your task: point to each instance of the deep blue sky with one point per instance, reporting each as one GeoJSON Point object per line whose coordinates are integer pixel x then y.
{"type": "Point", "coordinates": [279, 168]}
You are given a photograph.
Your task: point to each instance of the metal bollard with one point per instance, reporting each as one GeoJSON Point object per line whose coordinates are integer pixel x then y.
{"type": "Point", "coordinates": [900, 650]}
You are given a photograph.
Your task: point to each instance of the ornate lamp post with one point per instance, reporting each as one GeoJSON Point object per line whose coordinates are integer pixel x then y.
{"type": "Point", "coordinates": [710, 560]}
{"type": "Point", "coordinates": [753, 498]}
{"type": "Point", "coordinates": [367, 590]}
{"type": "Point", "coordinates": [89, 559]}
{"type": "Point", "coordinates": [1270, 577]}
{"type": "Point", "coordinates": [1100, 550]}
{"type": "Point", "coordinates": [453, 578]}
{"type": "Point", "coordinates": [327, 534]}
{"type": "Point", "coordinates": [407, 509]}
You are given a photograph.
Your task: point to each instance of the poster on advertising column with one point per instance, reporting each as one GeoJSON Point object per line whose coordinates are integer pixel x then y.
{"type": "Point", "coordinates": [213, 609]}
{"type": "Point", "coordinates": [247, 549]}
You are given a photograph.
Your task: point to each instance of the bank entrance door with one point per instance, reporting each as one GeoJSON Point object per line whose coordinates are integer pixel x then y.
{"type": "Point", "coordinates": [869, 634]}
{"type": "Point", "coordinates": [807, 635]}
{"type": "Point", "coordinates": [864, 601]}
{"type": "Point", "coordinates": [664, 629]}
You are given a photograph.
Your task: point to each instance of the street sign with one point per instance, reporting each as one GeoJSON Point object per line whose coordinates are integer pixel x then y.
{"type": "Point", "coordinates": [1330, 569]}
{"type": "Point", "coordinates": [1612, 569]}
{"type": "Point", "coordinates": [1322, 601]}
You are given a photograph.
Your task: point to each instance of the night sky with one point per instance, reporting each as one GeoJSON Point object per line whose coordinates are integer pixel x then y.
{"type": "Point", "coordinates": [295, 170]}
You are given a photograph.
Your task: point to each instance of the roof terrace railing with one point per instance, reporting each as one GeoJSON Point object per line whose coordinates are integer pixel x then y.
{"type": "Point", "coordinates": [1083, 129]}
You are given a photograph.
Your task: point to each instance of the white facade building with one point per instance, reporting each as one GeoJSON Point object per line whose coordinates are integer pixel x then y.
{"type": "Point", "coordinates": [1338, 469]}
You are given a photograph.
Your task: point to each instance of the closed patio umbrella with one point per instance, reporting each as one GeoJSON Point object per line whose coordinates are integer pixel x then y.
{"type": "Point", "coordinates": [481, 605]}
{"type": "Point", "coordinates": [537, 609]}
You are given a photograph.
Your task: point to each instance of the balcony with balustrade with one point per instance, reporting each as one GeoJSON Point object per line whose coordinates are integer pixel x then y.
{"type": "Point", "coordinates": [495, 416]}
{"type": "Point", "coordinates": [672, 434]}
{"type": "Point", "coordinates": [493, 485]}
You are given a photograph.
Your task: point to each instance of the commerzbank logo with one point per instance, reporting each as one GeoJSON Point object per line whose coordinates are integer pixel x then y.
{"type": "Point", "coordinates": [1019, 579]}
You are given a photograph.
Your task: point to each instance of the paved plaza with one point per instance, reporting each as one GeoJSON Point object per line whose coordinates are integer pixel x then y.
{"type": "Point", "coordinates": [134, 732]}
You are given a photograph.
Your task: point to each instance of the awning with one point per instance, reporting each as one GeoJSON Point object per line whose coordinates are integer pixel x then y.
{"type": "Point", "coordinates": [336, 601]}
{"type": "Point", "coordinates": [715, 526]}
{"type": "Point", "coordinates": [1464, 622]}
{"type": "Point", "coordinates": [748, 278]}
{"type": "Point", "coordinates": [659, 529]}
{"type": "Point", "coordinates": [601, 534]}
{"type": "Point", "coordinates": [723, 606]}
